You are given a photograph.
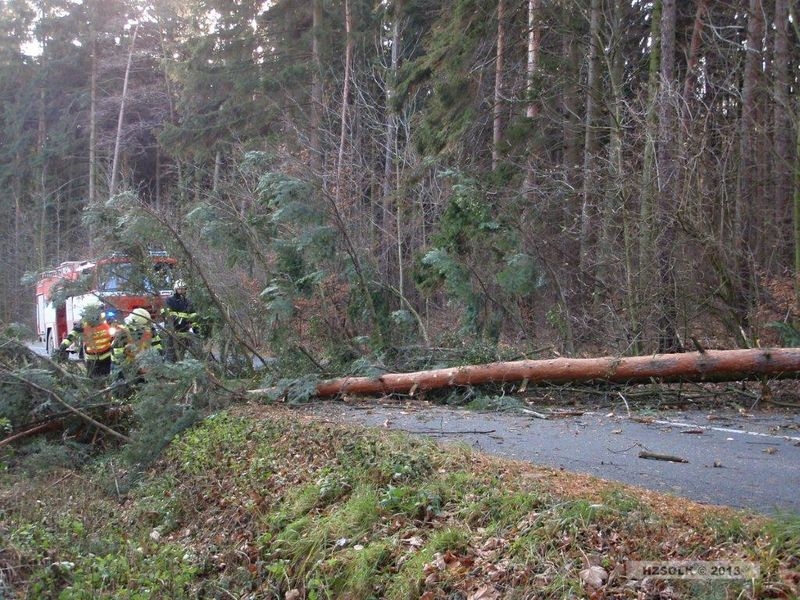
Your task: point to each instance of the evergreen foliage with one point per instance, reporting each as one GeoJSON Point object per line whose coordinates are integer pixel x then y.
{"type": "Point", "coordinates": [354, 191]}
{"type": "Point", "coordinates": [475, 256]}
{"type": "Point", "coordinates": [356, 181]}
{"type": "Point", "coordinates": [790, 336]}
{"type": "Point", "coordinates": [90, 416]}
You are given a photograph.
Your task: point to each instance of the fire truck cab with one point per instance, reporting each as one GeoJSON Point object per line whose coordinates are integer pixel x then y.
{"type": "Point", "coordinates": [117, 283]}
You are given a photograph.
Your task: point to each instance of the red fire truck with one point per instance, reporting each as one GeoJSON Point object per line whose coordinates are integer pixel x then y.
{"type": "Point", "coordinates": [118, 283]}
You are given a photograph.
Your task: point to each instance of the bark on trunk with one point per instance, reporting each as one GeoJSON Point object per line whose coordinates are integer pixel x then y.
{"type": "Point", "coordinates": [348, 67]}
{"type": "Point", "coordinates": [534, 47]}
{"type": "Point", "coordinates": [706, 366]}
{"type": "Point", "coordinates": [692, 64]}
{"type": "Point", "coordinates": [782, 156]}
{"type": "Point", "coordinates": [667, 177]}
{"type": "Point", "coordinates": [390, 247]}
{"type": "Point", "coordinates": [112, 186]}
{"type": "Point", "coordinates": [590, 137]}
{"type": "Point", "coordinates": [497, 112]}
{"type": "Point", "coordinates": [316, 88]}
{"type": "Point", "coordinates": [90, 201]}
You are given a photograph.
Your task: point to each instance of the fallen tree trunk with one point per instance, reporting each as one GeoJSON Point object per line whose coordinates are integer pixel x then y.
{"type": "Point", "coordinates": [705, 366]}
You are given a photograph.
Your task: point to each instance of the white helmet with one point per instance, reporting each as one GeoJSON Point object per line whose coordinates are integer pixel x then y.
{"type": "Point", "coordinates": [179, 283]}
{"type": "Point", "coordinates": [140, 317]}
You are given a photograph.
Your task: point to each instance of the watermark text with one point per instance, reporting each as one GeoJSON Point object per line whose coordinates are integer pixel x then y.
{"type": "Point", "coordinates": [691, 569]}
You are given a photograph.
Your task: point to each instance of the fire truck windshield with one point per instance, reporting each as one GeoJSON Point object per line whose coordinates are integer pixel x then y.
{"type": "Point", "coordinates": [119, 277]}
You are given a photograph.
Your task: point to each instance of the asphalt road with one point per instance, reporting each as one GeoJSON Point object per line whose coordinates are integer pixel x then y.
{"type": "Point", "coordinates": [748, 461]}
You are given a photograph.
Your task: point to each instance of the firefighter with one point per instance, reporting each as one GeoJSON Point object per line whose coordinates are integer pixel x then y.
{"type": "Point", "coordinates": [98, 338]}
{"type": "Point", "coordinates": [180, 321]}
{"type": "Point", "coordinates": [136, 336]}
{"type": "Point", "coordinates": [74, 339]}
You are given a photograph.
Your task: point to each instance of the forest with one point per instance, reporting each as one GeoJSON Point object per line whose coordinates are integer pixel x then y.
{"type": "Point", "coordinates": [347, 182]}
{"type": "Point", "coordinates": [360, 191]}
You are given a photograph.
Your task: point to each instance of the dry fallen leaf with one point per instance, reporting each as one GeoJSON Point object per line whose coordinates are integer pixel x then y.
{"type": "Point", "coordinates": [594, 577]}
{"type": "Point", "coordinates": [485, 592]}
{"type": "Point", "coordinates": [493, 543]}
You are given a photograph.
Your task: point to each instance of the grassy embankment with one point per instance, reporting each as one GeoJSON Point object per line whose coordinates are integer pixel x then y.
{"type": "Point", "coordinates": [270, 505]}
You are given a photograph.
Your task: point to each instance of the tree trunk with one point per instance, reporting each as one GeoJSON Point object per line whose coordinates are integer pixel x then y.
{"type": "Point", "coordinates": [316, 89]}
{"type": "Point", "coordinates": [746, 216]}
{"type": "Point", "coordinates": [534, 47]}
{"type": "Point", "coordinates": [117, 141]}
{"type": "Point", "coordinates": [783, 154]}
{"type": "Point", "coordinates": [533, 108]}
{"type": "Point", "coordinates": [571, 126]}
{"type": "Point", "coordinates": [392, 268]}
{"type": "Point", "coordinates": [217, 171]}
{"type": "Point", "coordinates": [796, 223]}
{"type": "Point", "coordinates": [92, 114]}
{"type": "Point", "coordinates": [692, 63]}
{"type": "Point", "coordinates": [590, 135]}
{"type": "Point", "coordinates": [647, 226]}
{"type": "Point", "coordinates": [667, 185]}
{"type": "Point", "coordinates": [751, 170]}
{"type": "Point", "coordinates": [348, 67]}
{"type": "Point", "coordinates": [497, 112]}
{"type": "Point", "coordinates": [619, 201]}
{"type": "Point", "coordinates": [796, 193]}
{"type": "Point", "coordinates": [706, 366]}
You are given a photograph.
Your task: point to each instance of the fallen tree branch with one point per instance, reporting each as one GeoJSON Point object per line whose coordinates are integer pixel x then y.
{"type": "Point", "coordinates": [42, 427]}
{"type": "Point", "coordinates": [533, 413]}
{"type": "Point", "coordinates": [782, 403]}
{"type": "Point", "coordinates": [72, 409]}
{"type": "Point", "coordinates": [665, 457]}
{"type": "Point", "coordinates": [563, 414]}
{"type": "Point", "coordinates": [444, 432]}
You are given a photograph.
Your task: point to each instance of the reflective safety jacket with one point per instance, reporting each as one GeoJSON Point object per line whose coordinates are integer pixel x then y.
{"type": "Point", "coordinates": [97, 340]}
{"type": "Point", "coordinates": [179, 313]}
{"type": "Point", "coordinates": [131, 341]}
{"type": "Point", "coordinates": [73, 337]}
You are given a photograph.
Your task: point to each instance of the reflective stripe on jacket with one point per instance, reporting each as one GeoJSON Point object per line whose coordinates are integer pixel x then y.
{"type": "Point", "coordinates": [73, 337]}
{"type": "Point", "coordinates": [97, 341]}
{"type": "Point", "coordinates": [130, 341]}
{"type": "Point", "coordinates": [179, 312]}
